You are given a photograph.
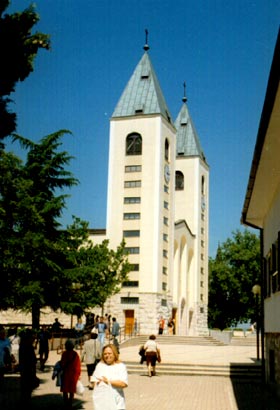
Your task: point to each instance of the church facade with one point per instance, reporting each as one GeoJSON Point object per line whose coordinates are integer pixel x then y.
{"type": "Point", "coordinates": [158, 202]}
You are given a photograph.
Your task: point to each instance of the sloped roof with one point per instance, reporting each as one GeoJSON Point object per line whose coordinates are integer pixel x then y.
{"type": "Point", "coordinates": [142, 94]}
{"type": "Point", "coordinates": [187, 139]}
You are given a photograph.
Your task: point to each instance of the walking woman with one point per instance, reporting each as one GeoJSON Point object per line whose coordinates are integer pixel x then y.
{"type": "Point", "coordinates": [152, 353]}
{"type": "Point", "coordinates": [109, 378]}
{"type": "Point", "coordinates": [71, 366]}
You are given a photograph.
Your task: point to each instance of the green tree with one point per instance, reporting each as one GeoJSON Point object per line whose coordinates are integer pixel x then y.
{"type": "Point", "coordinates": [18, 49]}
{"type": "Point", "coordinates": [37, 250]}
{"type": "Point", "coordinates": [232, 275]}
{"type": "Point", "coordinates": [98, 274]}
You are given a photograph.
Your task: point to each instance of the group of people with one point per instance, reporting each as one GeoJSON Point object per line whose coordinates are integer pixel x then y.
{"type": "Point", "coordinates": [107, 375]}
{"type": "Point", "coordinates": [170, 326]}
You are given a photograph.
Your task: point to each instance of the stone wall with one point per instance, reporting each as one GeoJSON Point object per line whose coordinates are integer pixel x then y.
{"type": "Point", "coordinates": [272, 359]}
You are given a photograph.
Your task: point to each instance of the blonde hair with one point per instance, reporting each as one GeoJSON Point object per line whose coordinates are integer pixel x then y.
{"type": "Point", "coordinates": [114, 350]}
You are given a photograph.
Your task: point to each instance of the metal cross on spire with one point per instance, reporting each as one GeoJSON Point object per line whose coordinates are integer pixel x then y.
{"type": "Point", "coordinates": [184, 98]}
{"type": "Point", "coordinates": [146, 46]}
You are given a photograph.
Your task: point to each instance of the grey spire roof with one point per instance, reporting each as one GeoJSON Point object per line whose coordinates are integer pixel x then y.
{"type": "Point", "coordinates": [142, 94]}
{"type": "Point", "coordinates": [187, 144]}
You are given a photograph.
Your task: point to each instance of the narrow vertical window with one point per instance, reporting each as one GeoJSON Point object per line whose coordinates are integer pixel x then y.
{"type": "Point", "coordinates": [179, 181]}
{"type": "Point", "coordinates": [166, 150]}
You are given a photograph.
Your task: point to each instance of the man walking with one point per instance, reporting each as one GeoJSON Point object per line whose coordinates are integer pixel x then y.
{"type": "Point", "coordinates": [91, 354]}
{"type": "Point", "coordinates": [115, 332]}
{"type": "Point", "coordinates": [102, 331]}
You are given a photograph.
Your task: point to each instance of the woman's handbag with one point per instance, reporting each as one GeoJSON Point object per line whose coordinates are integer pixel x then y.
{"type": "Point", "coordinates": [80, 389]}
{"type": "Point", "coordinates": [103, 397]}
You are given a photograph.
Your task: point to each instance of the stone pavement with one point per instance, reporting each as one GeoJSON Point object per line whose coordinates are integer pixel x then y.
{"type": "Point", "coordinates": [160, 392]}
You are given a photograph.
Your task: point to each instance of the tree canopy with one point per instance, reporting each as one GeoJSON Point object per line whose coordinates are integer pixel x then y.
{"type": "Point", "coordinates": [232, 274]}
{"type": "Point", "coordinates": [18, 49]}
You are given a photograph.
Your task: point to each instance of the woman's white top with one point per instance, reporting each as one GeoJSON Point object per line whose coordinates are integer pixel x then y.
{"type": "Point", "coordinates": [115, 371]}
{"type": "Point", "coordinates": [151, 346]}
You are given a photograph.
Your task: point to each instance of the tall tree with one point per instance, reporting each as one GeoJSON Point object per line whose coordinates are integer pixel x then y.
{"type": "Point", "coordinates": [18, 49]}
{"type": "Point", "coordinates": [232, 274]}
{"type": "Point", "coordinates": [36, 247]}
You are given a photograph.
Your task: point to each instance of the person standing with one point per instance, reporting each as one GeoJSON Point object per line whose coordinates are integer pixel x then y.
{"type": "Point", "coordinates": [43, 340]}
{"type": "Point", "coordinates": [5, 352]}
{"type": "Point", "coordinates": [91, 353]}
{"type": "Point", "coordinates": [152, 353]}
{"type": "Point", "coordinates": [109, 378]}
{"type": "Point", "coordinates": [161, 325]}
{"type": "Point", "coordinates": [102, 331]}
{"type": "Point", "coordinates": [170, 326]}
{"type": "Point", "coordinates": [56, 326]}
{"type": "Point", "coordinates": [27, 364]}
{"type": "Point", "coordinates": [115, 333]}
{"type": "Point", "coordinates": [71, 367]}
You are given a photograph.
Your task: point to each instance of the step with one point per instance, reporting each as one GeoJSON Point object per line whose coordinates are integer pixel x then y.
{"type": "Point", "coordinates": [242, 372]}
{"type": "Point", "coordinates": [174, 340]}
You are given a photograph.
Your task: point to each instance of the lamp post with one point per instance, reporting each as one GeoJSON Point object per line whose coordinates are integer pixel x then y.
{"type": "Point", "coordinates": [256, 289]}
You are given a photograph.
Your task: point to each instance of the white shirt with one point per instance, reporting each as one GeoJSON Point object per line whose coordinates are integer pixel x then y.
{"type": "Point", "coordinates": [115, 371]}
{"type": "Point", "coordinates": [151, 346]}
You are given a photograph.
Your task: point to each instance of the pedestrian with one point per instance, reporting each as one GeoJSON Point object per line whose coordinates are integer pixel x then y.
{"type": "Point", "coordinates": [79, 331]}
{"type": "Point", "coordinates": [152, 353]}
{"type": "Point", "coordinates": [135, 327]}
{"type": "Point", "coordinates": [102, 330]}
{"type": "Point", "coordinates": [71, 367]}
{"type": "Point", "coordinates": [27, 364]}
{"type": "Point", "coordinates": [91, 354]}
{"type": "Point", "coordinates": [109, 378]}
{"type": "Point", "coordinates": [43, 340]}
{"type": "Point", "coordinates": [15, 341]}
{"type": "Point", "coordinates": [56, 326]}
{"type": "Point", "coordinates": [115, 333]}
{"type": "Point", "coordinates": [161, 325]}
{"type": "Point", "coordinates": [170, 326]}
{"type": "Point", "coordinates": [5, 354]}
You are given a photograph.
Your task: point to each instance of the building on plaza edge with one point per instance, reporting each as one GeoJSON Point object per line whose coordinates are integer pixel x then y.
{"type": "Point", "coordinates": [158, 201]}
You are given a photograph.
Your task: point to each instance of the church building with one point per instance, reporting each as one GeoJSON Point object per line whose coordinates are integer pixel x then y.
{"type": "Point", "coordinates": [158, 191]}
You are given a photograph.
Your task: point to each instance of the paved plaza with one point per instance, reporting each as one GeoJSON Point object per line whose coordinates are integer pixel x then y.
{"type": "Point", "coordinates": [161, 392]}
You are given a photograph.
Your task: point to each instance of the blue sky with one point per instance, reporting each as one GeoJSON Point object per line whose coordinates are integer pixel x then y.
{"type": "Point", "coordinates": [221, 49]}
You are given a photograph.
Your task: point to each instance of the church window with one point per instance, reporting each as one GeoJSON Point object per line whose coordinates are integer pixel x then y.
{"type": "Point", "coordinates": [133, 168]}
{"type": "Point", "coordinates": [166, 150]}
{"type": "Point", "coordinates": [132, 250]}
{"type": "Point", "coordinates": [202, 185]}
{"type": "Point", "coordinates": [131, 215]}
{"type": "Point", "coordinates": [165, 253]}
{"type": "Point", "coordinates": [132, 184]}
{"type": "Point", "coordinates": [163, 302]}
{"type": "Point", "coordinates": [131, 234]}
{"type": "Point", "coordinates": [130, 284]}
{"type": "Point", "coordinates": [129, 300]}
{"type": "Point", "coordinates": [134, 144]}
{"type": "Point", "coordinates": [179, 181]}
{"type": "Point", "coordinates": [165, 204]}
{"type": "Point", "coordinates": [164, 270]}
{"type": "Point", "coordinates": [132, 200]}
{"type": "Point", "coordinates": [164, 285]}
{"type": "Point", "coordinates": [165, 237]}
{"type": "Point", "coordinates": [165, 220]}
{"type": "Point", "coordinates": [166, 190]}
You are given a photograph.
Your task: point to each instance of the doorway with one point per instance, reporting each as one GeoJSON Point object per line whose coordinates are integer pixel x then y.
{"type": "Point", "coordinates": [129, 321]}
